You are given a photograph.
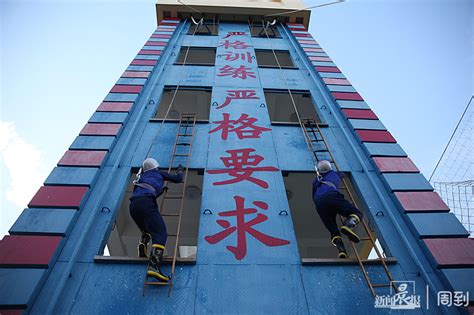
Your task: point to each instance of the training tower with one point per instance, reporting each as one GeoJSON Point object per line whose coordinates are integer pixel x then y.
{"type": "Point", "coordinates": [248, 101]}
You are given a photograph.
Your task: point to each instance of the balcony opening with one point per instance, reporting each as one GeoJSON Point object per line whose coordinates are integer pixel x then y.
{"type": "Point", "coordinates": [281, 109]}
{"type": "Point", "coordinates": [313, 239]}
{"type": "Point", "coordinates": [122, 243]}
{"type": "Point", "coordinates": [187, 100]}
{"type": "Point", "coordinates": [266, 59]}
{"type": "Point", "coordinates": [209, 28]}
{"type": "Point", "coordinates": [196, 56]}
{"type": "Point", "coordinates": [259, 31]}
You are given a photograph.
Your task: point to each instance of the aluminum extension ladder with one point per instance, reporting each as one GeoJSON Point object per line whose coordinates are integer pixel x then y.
{"type": "Point", "coordinates": [318, 144]}
{"type": "Point", "coordinates": [181, 155]}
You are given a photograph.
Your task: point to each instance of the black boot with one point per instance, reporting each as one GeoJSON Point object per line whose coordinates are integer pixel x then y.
{"type": "Point", "coordinates": [337, 241]}
{"type": "Point", "coordinates": [348, 228]}
{"type": "Point", "coordinates": [156, 257]}
{"type": "Point", "coordinates": [143, 245]}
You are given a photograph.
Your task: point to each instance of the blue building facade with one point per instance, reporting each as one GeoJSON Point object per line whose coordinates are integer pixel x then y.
{"type": "Point", "coordinates": [246, 255]}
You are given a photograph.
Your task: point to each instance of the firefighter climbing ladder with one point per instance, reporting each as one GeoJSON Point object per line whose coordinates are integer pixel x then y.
{"type": "Point", "coordinates": [181, 155]}
{"type": "Point", "coordinates": [317, 145]}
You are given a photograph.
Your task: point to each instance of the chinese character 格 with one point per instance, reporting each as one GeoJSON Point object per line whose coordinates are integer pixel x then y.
{"type": "Point", "coordinates": [244, 127]}
{"type": "Point", "coordinates": [243, 227]}
{"type": "Point", "coordinates": [235, 45]}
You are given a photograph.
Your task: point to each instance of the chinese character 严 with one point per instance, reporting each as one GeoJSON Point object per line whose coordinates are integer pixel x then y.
{"type": "Point", "coordinates": [241, 72]}
{"type": "Point", "coordinates": [244, 127]}
{"type": "Point", "coordinates": [229, 34]}
{"type": "Point", "coordinates": [242, 228]}
{"type": "Point", "coordinates": [238, 95]}
{"type": "Point", "coordinates": [241, 166]}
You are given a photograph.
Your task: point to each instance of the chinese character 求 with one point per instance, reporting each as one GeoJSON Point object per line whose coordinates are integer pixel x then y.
{"type": "Point", "coordinates": [243, 227]}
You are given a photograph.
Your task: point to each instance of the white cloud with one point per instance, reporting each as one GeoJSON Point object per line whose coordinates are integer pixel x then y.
{"type": "Point", "coordinates": [25, 171]}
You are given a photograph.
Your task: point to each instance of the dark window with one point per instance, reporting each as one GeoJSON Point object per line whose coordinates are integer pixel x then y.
{"type": "Point", "coordinates": [199, 56]}
{"type": "Point", "coordinates": [266, 59]}
{"type": "Point", "coordinates": [312, 237]}
{"type": "Point", "coordinates": [187, 100]}
{"type": "Point", "coordinates": [258, 31]}
{"type": "Point", "coordinates": [281, 109]}
{"type": "Point", "coordinates": [207, 28]}
{"type": "Point", "coordinates": [123, 239]}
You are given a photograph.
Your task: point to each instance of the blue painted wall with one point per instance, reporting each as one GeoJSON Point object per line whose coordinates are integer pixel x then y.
{"type": "Point", "coordinates": [264, 279]}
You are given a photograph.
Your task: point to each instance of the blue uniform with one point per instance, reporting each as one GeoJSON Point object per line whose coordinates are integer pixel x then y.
{"type": "Point", "coordinates": [330, 202]}
{"type": "Point", "coordinates": [144, 208]}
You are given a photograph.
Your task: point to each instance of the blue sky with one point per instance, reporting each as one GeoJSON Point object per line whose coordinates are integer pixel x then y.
{"type": "Point", "coordinates": [412, 61]}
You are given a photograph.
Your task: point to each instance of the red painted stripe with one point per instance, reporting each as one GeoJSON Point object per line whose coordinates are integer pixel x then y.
{"type": "Point", "coordinates": [295, 24]}
{"type": "Point", "coordinates": [351, 96]}
{"type": "Point", "coordinates": [114, 107]}
{"type": "Point", "coordinates": [132, 89]}
{"type": "Point", "coordinates": [417, 201]}
{"type": "Point", "coordinates": [317, 58]}
{"type": "Point", "coordinates": [150, 52]}
{"type": "Point", "coordinates": [82, 158]}
{"type": "Point", "coordinates": [91, 129]}
{"type": "Point", "coordinates": [336, 81]}
{"type": "Point", "coordinates": [308, 42]}
{"type": "Point", "coordinates": [395, 165]}
{"type": "Point", "coordinates": [302, 35]}
{"type": "Point", "coordinates": [136, 74]}
{"type": "Point", "coordinates": [12, 312]}
{"type": "Point", "coordinates": [59, 196]}
{"type": "Point", "coordinates": [359, 113]}
{"type": "Point", "coordinates": [169, 30]}
{"type": "Point", "coordinates": [140, 62]}
{"type": "Point", "coordinates": [172, 19]}
{"type": "Point", "coordinates": [156, 43]}
{"type": "Point", "coordinates": [27, 250]}
{"type": "Point", "coordinates": [327, 69]}
{"type": "Point", "coordinates": [375, 136]}
{"type": "Point", "coordinates": [306, 49]}
{"type": "Point", "coordinates": [167, 23]}
{"type": "Point", "coordinates": [452, 251]}
{"type": "Point", "coordinates": [160, 36]}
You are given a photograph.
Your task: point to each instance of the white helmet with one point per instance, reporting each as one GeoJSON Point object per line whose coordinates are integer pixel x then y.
{"type": "Point", "coordinates": [149, 164]}
{"type": "Point", "coordinates": [324, 166]}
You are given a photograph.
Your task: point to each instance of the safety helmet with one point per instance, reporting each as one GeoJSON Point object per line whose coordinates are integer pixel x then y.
{"type": "Point", "coordinates": [150, 164]}
{"type": "Point", "coordinates": [324, 166]}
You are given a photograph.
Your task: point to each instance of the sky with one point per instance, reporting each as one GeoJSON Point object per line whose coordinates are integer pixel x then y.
{"type": "Point", "coordinates": [411, 60]}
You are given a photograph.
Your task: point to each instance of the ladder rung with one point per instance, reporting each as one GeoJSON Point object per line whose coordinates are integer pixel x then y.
{"type": "Point", "coordinates": [365, 239]}
{"type": "Point", "coordinates": [184, 135]}
{"type": "Point", "coordinates": [172, 235]}
{"type": "Point", "coordinates": [173, 197]}
{"type": "Point", "coordinates": [381, 285]}
{"type": "Point", "coordinates": [183, 143]}
{"type": "Point", "coordinates": [170, 215]}
{"type": "Point", "coordinates": [157, 283]}
{"type": "Point", "coordinates": [182, 154]}
{"type": "Point", "coordinates": [323, 150]}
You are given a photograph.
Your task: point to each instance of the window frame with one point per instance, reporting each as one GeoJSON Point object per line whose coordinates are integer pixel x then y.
{"type": "Point", "coordinates": [182, 49]}
{"type": "Point", "coordinates": [187, 88]}
{"type": "Point", "coordinates": [270, 51]}
{"type": "Point", "coordinates": [205, 24]}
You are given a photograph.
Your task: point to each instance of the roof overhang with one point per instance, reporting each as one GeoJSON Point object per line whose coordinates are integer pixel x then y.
{"type": "Point", "coordinates": [238, 10]}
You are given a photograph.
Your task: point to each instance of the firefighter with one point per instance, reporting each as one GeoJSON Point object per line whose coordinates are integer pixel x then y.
{"type": "Point", "coordinates": [330, 202]}
{"type": "Point", "coordinates": [148, 186]}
